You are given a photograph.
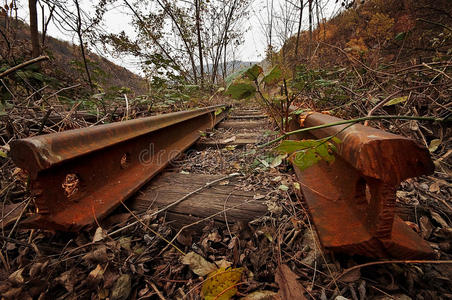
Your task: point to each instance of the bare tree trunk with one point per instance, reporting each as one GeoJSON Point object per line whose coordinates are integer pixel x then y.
{"type": "Point", "coordinates": [45, 24]}
{"type": "Point", "coordinates": [223, 41]}
{"type": "Point", "coordinates": [225, 58]}
{"type": "Point", "coordinates": [317, 12]}
{"type": "Point", "coordinates": [198, 29]}
{"type": "Point", "coordinates": [82, 46]}
{"type": "Point", "coordinates": [310, 30]}
{"type": "Point", "coordinates": [34, 35]}
{"type": "Point", "coordinates": [299, 27]}
{"type": "Point", "coordinates": [271, 33]}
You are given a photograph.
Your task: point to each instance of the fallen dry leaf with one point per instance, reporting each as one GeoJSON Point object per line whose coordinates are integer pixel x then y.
{"type": "Point", "coordinates": [198, 264]}
{"type": "Point", "coordinates": [223, 264]}
{"type": "Point", "coordinates": [186, 237]}
{"type": "Point", "coordinates": [229, 140]}
{"type": "Point", "coordinates": [67, 279]}
{"type": "Point", "coordinates": [289, 287]}
{"type": "Point", "coordinates": [426, 227]}
{"type": "Point", "coordinates": [96, 275]}
{"type": "Point", "coordinates": [13, 293]}
{"type": "Point", "coordinates": [98, 255]}
{"type": "Point", "coordinates": [434, 188]}
{"type": "Point", "coordinates": [260, 295]}
{"type": "Point", "coordinates": [125, 243]}
{"type": "Point", "coordinates": [122, 288]}
{"type": "Point", "coordinates": [16, 277]}
{"type": "Point", "coordinates": [351, 276]}
{"type": "Point", "coordinates": [439, 219]}
{"type": "Point", "coordinates": [99, 235]}
{"type": "Point", "coordinates": [37, 268]}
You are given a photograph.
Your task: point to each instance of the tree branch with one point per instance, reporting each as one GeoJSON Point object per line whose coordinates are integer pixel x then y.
{"type": "Point", "coordinates": [23, 65]}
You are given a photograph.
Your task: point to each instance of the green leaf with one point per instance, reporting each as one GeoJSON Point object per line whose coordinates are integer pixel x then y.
{"type": "Point", "coordinates": [3, 111]}
{"type": "Point", "coordinates": [400, 36]}
{"type": "Point", "coordinates": [236, 75]}
{"type": "Point", "coordinates": [278, 160]}
{"type": "Point", "coordinates": [230, 147]}
{"type": "Point", "coordinates": [273, 76]}
{"type": "Point", "coordinates": [283, 187]}
{"type": "Point", "coordinates": [290, 146]}
{"type": "Point", "coordinates": [323, 150]}
{"type": "Point", "coordinates": [270, 133]}
{"type": "Point", "coordinates": [336, 140]}
{"type": "Point", "coordinates": [253, 72]}
{"type": "Point", "coordinates": [278, 99]}
{"type": "Point", "coordinates": [305, 159]}
{"type": "Point", "coordinates": [298, 112]}
{"type": "Point", "coordinates": [241, 89]}
{"type": "Point", "coordinates": [325, 82]}
{"type": "Point", "coordinates": [3, 154]}
{"type": "Point", "coordinates": [396, 101]}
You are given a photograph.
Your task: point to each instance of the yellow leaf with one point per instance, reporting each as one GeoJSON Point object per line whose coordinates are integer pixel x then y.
{"type": "Point", "coordinates": [434, 144]}
{"type": "Point", "coordinates": [221, 284]}
{"type": "Point", "coordinates": [396, 101]}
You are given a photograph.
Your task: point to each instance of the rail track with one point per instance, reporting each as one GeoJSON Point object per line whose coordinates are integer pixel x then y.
{"type": "Point", "coordinates": [80, 176]}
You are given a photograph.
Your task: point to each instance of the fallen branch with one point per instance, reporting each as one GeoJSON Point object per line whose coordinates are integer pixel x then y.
{"type": "Point", "coordinates": [23, 65]}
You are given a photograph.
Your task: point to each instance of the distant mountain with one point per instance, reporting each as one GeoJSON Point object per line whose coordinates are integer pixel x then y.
{"type": "Point", "coordinates": [231, 67]}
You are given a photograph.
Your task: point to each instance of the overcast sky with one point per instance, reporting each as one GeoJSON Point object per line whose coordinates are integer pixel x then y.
{"type": "Point", "coordinates": [253, 49]}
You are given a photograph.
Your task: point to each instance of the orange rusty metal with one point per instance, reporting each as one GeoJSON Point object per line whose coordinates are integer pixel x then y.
{"type": "Point", "coordinates": [352, 200]}
{"type": "Point", "coordinates": [83, 174]}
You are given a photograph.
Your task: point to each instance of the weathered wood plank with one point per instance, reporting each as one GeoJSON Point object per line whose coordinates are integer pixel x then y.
{"type": "Point", "coordinates": [170, 187]}
{"type": "Point", "coordinates": [239, 142]}
{"type": "Point", "coordinates": [245, 117]}
{"type": "Point", "coordinates": [246, 112]}
{"type": "Point", "coordinates": [243, 124]}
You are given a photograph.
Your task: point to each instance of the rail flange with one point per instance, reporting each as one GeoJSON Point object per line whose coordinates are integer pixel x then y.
{"type": "Point", "coordinates": [352, 200]}
{"type": "Point", "coordinates": [80, 175]}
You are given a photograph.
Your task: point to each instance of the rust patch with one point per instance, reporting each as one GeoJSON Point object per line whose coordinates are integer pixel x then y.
{"type": "Point", "coordinates": [71, 185]}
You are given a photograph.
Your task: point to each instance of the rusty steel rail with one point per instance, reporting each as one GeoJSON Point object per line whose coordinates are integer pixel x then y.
{"type": "Point", "coordinates": [352, 200]}
{"type": "Point", "coordinates": [78, 176]}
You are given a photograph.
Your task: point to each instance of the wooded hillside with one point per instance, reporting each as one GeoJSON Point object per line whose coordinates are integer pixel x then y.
{"type": "Point", "coordinates": [65, 67]}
